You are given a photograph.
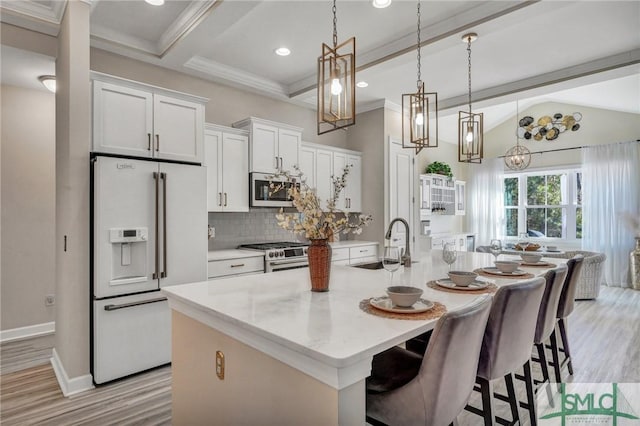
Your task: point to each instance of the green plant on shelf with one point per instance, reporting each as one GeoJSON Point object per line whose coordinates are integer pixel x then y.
{"type": "Point", "coordinates": [439, 168]}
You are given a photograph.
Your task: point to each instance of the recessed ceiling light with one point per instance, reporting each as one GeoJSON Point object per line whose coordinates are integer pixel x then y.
{"type": "Point", "coordinates": [362, 84]}
{"type": "Point", "coordinates": [381, 4]}
{"type": "Point", "coordinates": [49, 81]}
{"type": "Point", "coordinates": [282, 51]}
{"type": "Point", "coordinates": [155, 2]}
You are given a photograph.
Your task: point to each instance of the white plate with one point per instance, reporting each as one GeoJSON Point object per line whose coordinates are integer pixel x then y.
{"type": "Point", "coordinates": [495, 271]}
{"type": "Point", "coordinates": [553, 251]}
{"type": "Point", "coordinates": [475, 285]}
{"type": "Point", "coordinates": [384, 303]}
{"type": "Point", "coordinates": [535, 264]}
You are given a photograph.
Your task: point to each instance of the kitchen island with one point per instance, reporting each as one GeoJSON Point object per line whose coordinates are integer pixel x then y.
{"type": "Point", "coordinates": [291, 356]}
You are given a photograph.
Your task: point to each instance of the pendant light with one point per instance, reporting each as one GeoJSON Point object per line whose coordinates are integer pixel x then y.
{"type": "Point", "coordinates": [517, 157]}
{"type": "Point", "coordinates": [470, 125]}
{"type": "Point", "coordinates": [336, 83]}
{"type": "Point", "coordinates": [418, 109]}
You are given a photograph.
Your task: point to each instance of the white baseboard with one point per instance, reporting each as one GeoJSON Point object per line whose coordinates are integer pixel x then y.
{"type": "Point", "coordinates": [21, 333]}
{"type": "Point", "coordinates": [67, 385]}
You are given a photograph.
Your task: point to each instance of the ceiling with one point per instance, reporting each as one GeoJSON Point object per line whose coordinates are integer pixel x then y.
{"type": "Point", "coordinates": [579, 52]}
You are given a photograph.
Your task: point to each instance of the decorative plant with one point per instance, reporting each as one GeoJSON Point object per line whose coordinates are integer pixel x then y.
{"type": "Point", "coordinates": [439, 168]}
{"type": "Point", "coordinates": [311, 221]}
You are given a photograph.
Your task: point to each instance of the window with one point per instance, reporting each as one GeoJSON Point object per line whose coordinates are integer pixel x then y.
{"type": "Point", "coordinates": [545, 204]}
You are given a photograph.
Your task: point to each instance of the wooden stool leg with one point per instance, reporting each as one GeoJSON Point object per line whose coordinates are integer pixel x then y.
{"type": "Point", "coordinates": [555, 354]}
{"type": "Point", "coordinates": [545, 372]}
{"type": "Point", "coordinates": [531, 397]}
{"type": "Point", "coordinates": [565, 344]}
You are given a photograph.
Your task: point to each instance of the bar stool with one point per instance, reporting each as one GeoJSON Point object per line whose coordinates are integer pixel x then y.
{"type": "Point", "coordinates": [407, 389]}
{"type": "Point", "coordinates": [565, 308]}
{"type": "Point", "coordinates": [506, 346]}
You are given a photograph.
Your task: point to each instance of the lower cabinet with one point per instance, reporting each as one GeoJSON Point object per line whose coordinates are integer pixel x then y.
{"type": "Point", "coordinates": [353, 255]}
{"type": "Point", "coordinates": [235, 267]}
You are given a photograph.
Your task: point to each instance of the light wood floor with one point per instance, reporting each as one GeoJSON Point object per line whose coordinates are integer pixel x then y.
{"type": "Point", "coordinates": [604, 336]}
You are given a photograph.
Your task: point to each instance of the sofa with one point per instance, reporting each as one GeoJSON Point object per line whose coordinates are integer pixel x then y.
{"type": "Point", "coordinates": [590, 278]}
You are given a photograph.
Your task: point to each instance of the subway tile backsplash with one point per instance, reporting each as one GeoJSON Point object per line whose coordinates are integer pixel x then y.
{"type": "Point", "coordinates": [258, 225]}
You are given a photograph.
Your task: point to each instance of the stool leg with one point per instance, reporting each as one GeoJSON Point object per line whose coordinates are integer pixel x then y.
{"type": "Point", "coordinates": [531, 398]}
{"type": "Point", "coordinates": [545, 372]}
{"type": "Point", "coordinates": [513, 398]}
{"type": "Point", "coordinates": [555, 354]}
{"type": "Point", "coordinates": [486, 391]}
{"type": "Point", "coordinates": [565, 344]}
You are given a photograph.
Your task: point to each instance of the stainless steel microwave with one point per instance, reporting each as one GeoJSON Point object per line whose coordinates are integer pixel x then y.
{"type": "Point", "coordinates": [263, 195]}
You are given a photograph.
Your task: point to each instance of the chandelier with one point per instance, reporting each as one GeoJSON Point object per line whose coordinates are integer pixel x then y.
{"type": "Point", "coordinates": [517, 157]}
{"type": "Point", "coordinates": [418, 109]}
{"type": "Point", "coordinates": [470, 132]}
{"type": "Point", "coordinates": [336, 83]}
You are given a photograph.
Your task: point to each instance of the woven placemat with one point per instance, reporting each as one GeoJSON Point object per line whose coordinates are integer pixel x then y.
{"type": "Point", "coordinates": [541, 265]}
{"type": "Point", "coordinates": [491, 288]}
{"type": "Point", "coordinates": [436, 312]}
{"type": "Point", "coordinates": [479, 271]}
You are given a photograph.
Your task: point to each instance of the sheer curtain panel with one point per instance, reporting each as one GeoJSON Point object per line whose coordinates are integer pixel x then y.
{"type": "Point", "coordinates": [485, 210]}
{"type": "Point", "coordinates": [611, 183]}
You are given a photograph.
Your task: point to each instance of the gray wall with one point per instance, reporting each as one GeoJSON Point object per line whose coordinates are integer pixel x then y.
{"type": "Point", "coordinates": [28, 206]}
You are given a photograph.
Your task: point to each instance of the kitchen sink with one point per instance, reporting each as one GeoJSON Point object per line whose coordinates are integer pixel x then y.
{"type": "Point", "coordinates": [374, 265]}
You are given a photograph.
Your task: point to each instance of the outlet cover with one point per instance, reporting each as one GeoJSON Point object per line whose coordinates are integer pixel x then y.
{"type": "Point", "coordinates": [50, 300]}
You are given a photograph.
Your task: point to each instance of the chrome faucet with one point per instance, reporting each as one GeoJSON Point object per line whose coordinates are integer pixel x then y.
{"type": "Point", "coordinates": [406, 256]}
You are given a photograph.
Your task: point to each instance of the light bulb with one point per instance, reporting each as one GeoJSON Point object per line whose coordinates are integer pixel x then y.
{"type": "Point", "coordinates": [469, 136]}
{"type": "Point", "coordinates": [336, 87]}
{"type": "Point", "coordinates": [419, 119]}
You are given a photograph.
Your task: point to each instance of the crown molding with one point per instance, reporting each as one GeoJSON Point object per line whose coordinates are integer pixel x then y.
{"type": "Point", "coordinates": [236, 77]}
{"type": "Point", "coordinates": [34, 16]}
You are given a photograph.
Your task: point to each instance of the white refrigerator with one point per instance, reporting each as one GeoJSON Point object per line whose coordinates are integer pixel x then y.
{"type": "Point", "coordinates": [149, 231]}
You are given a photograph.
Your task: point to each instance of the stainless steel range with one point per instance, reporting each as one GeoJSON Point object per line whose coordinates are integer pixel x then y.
{"type": "Point", "coordinates": [280, 256]}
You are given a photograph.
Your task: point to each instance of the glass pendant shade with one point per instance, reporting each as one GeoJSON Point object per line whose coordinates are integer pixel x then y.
{"type": "Point", "coordinates": [470, 137]}
{"type": "Point", "coordinates": [418, 111]}
{"type": "Point", "coordinates": [336, 86]}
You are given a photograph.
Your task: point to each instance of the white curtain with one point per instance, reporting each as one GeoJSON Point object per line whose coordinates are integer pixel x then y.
{"type": "Point", "coordinates": [611, 186]}
{"type": "Point", "coordinates": [485, 210]}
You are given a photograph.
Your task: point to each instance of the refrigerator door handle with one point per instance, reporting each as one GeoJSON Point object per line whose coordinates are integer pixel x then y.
{"type": "Point", "coordinates": [163, 176]}
{"type": "Point", "coordinates": [132, 304]}
{"type": "Point", "coordinates": [157, 226]}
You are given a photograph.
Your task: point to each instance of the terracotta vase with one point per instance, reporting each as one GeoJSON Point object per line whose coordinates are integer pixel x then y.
{"type": "Point", "coordinates": [319, 255]}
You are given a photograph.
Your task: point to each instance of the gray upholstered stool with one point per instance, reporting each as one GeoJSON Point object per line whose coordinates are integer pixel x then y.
{"type": "Point", "coordinates": [507, 344]}
{"type": "Point", "coordinates": [408, 389]}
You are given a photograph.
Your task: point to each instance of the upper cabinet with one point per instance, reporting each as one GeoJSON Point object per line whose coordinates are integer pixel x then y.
{"type": "Point", "coordinates": [272, 146]}
{"type": "Point", "coordinates": [441, 195]}
{"type": "Point", "coordinates": [320, 163]}
{"type": "Point", "coordinates": [226, 153]}
{"type": "Point", "coordinates": [136, 119]}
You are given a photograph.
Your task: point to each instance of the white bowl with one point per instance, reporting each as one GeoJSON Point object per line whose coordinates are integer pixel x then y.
{"type": "Point", "coordinates": [404, 296]}
{"type": "Point", "coordinates": [552, 248]}
{"type": "Point", "coordinates": [506, 266]}
{"type": "Point", "coordinates": [462, 278]}
{"type": "Point", "coordinates": [531, 257]}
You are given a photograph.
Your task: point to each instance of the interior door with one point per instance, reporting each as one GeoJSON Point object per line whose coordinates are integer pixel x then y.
{"type": "Point", "coordinates": [401, 177]}
{"type": "Point", "coordinates": [183, 218]}
{"type": "Point", "coordinates": [124, 198]}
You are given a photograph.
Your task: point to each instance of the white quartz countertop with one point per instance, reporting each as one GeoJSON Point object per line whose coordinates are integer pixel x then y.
{"type": "Point", "coordinates": [233, 254]}
{"type": "Point", "coordinates": [279, 310]}
{"type": "Point", "coordinates": [352, 243]}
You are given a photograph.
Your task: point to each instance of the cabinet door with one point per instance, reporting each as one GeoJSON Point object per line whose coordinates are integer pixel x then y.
{"type": "Point", "coordinates": [308, 165]}
{"type": "Point", "coordinates": [235, 172]}
{"type": "Point", "coordinates": [122, 120]}
{"type": "Point", "coordinates": [288, 148]}
{"type": "Point", "coordinates": [212, 161]}
{"type": "Point", "coordinates": [339, 163]}
{"type": "Point", "coordinates": [178, 129]}
{"type": "Point", "coordinates": [324, 172]}
{"type": "Point", "coordinates": [354, 184]}
{"type": "Point", "coordinates": [460, 198]}
{"type": "Point", "coordinates": [264, 148]}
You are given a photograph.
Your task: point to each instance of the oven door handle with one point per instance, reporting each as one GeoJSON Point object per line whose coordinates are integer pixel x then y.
{"type": "Point", "coordinates": [289, 262]}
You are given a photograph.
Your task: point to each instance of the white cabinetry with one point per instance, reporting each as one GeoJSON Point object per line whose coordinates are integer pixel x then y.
{"type": "Point", "coordinates": [353, 252]}
{"type": "Point", "coordinates": [461, 202]}
{"type": "Point", "coordinates": [136, 119]}
{"type": "Point", "coordinates": [440, 195]}
{"type": "Point", "coordinates": [234, 267]}
{"type": "Point", "coordinates": [316, 162]}
{"type": "Point", "coordinates": [272, 146]}
{"type": "Point", "coordinates": [351, 197]}
{"type": "Point", "coordinates": [363, 254]}
{"type": "Point", "coordinates": [227, 161]}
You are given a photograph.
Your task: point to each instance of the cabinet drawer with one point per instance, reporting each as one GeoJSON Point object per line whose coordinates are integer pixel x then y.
{"type": "Point", "coordinates": [363, 251]}
{"type": "Point", "coordinates": [344, 262]}
{"type": "Point", "coordinates": [339, 254]}
{"type": "Point", "coordinates": [368, 259]}
{"type": "Point", "coordinates": [221, 268]}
